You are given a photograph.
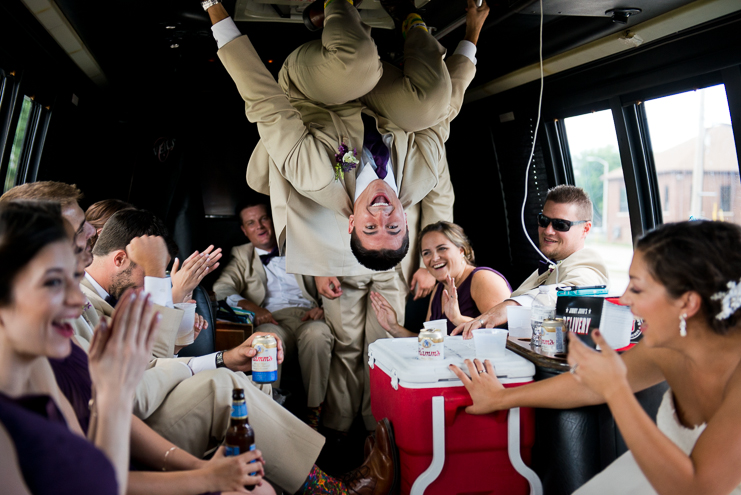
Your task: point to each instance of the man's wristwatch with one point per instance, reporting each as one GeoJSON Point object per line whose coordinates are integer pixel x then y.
{"type": "Point", "coordinates": [220, 360]}
{"type": "Point", "coordinates": [206, 4]}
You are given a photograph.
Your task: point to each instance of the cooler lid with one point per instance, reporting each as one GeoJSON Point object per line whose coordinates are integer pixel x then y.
{"type": "Point", "coordinates": [400, 356]}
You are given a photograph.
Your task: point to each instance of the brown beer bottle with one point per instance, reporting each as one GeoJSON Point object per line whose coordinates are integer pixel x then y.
{"type": "Point", "coordinates": [240, 437]}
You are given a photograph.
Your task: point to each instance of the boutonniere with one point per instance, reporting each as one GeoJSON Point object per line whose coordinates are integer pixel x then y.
{"type": "Point", "coordinates": [345, 160]}
{"type": "Point", "coordinates": [87, 306]}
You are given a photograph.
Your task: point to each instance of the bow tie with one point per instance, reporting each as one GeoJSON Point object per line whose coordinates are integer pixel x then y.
{"type": "Point", "coordinates": [111, 300]}
{"type": "Point", "coordinates": [544, 266]}
{"type": "Point", "coordinates": [265, 258]}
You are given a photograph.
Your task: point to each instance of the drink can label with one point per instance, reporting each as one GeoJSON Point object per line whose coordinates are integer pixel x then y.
{"type": "Point", "coordinates": [431, 345]}
{"type": "Point", "coordinates": [553, 335]}
{"type": "Point", "coordinates": [265, 362]}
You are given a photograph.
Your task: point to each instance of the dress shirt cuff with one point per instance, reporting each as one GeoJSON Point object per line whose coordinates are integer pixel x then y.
{"type": "Point", "coordinates": [203, 363]}
{"type": "Point", "coordinates": [525, 300]}
{"type": "Point", "coordinates": [465, 48]}
{"type": "Point", "coordinates": [160, 291]}
{"type": "Point", "coordinates": [225, 31]}
{"type": "Point", "coordinates": [233, 300]}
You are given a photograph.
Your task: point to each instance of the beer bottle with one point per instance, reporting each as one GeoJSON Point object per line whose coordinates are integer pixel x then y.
{"type": "Point", "coordinates": [240, 437]}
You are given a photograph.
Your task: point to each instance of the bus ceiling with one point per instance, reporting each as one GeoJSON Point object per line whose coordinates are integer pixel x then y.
{"type": "Point", "coordinates": [108, 41]}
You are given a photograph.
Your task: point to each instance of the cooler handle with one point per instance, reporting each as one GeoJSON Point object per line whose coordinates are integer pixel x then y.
{"type": "Point", "coordinates": [452, 404]}
{"type": "Point", "coordinates": [513, 449]}
{"type": "Point", "coordinates": [438, 448]}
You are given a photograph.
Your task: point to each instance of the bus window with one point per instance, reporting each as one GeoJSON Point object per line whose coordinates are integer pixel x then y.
{"type": "Point", "coordinates": [18, 142]}
{"type": "Point", "coordinates": [695, 155]}
{"type": "Point", "coordinates": [596, 161]}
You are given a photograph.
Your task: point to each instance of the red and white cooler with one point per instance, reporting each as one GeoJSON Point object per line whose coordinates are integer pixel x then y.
{"type": "Point", "coordinates": [442, 449]}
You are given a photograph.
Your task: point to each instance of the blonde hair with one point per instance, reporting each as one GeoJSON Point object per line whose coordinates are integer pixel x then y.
{"type": "Point", "coordinates": [455, 234]}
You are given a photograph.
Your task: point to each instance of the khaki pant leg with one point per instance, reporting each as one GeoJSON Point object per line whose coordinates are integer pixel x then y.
{"type": "Point", "coordinates": [342, 66]}
{"type": "Point", "coordinates": [313, 343]}
{"type": "Point", "coordinates": [419, 96]}
{"type": "Point", "coordinates": [196, 415]}
{"type": "Point", "coordinates": [289, 344]}
{"type": "Point", "coordinates": [346, 318]}
{"type": "Point", "coordinates": [392, 287]}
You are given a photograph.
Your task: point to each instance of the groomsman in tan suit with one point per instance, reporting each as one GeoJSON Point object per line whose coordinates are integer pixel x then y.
{"type": "Point", "coordinates": [563, 226]}
{"type": "Point", "coordinates": [256, 280]}
{"type": "Point", "coordinates": [337, 106]}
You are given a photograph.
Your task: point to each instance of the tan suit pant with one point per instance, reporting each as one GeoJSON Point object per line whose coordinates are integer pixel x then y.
{"type": "Point", "coordinates": [355, 326]}
{"type": "Point", "coordinates": [196, 413]}
{"type": "Point", "coordinates": [344, 66]}
{"type": "Point", "coordinates": [308, 341]}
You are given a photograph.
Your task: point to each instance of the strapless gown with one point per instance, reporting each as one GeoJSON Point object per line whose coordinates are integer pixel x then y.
{"type": "Point", "coordinates": [625, 477]}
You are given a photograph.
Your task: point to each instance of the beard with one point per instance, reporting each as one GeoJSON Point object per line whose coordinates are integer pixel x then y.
{"type": "Point", "coordinates": [121, 282]}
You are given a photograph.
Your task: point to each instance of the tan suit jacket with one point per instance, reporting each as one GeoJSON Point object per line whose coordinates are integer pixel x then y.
{"type": "Point", "coordinates": [164, 343]}
{"type": "Point", "coordinates": [294, 160]}
{"type": "Point", "coordinates": [161, 376]}
{"type": "Point", "coordinates": [584, 267]}
{"type": "Point", "coordinates": [245, 275]}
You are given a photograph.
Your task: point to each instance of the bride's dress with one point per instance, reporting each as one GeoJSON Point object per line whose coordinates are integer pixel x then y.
{"type": "Point", "coordinates": [625, 477]}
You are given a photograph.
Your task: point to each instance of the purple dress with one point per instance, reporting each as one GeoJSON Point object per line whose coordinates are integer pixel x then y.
{"type": "Point", "coordinates": [465, 301]}
{"type": "Point", "coordinates": [53, 460]}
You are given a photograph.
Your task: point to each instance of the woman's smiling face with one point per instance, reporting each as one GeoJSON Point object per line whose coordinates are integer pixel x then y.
{"type": "Point", "coordinates": [441, 256]}
{"type": "Point", "coordinates": [649, 300]}
{"type": "Point", "coordinates": [46, 297]}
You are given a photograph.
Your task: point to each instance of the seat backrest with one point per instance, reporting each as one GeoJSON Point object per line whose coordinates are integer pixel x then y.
{"type": "Point", "coordinates": [205, 343]}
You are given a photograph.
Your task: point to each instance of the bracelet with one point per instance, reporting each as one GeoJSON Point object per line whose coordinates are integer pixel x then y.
{"type": "Point", "coordinates": [164, 464]}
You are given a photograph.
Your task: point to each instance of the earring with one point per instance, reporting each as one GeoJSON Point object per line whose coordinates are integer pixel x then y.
{"type": "Point", "coordinates": [683, 325]}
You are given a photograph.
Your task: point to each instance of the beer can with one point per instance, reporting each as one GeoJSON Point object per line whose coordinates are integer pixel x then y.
{"type": "Point", "coordinates": [554, 335]}
{"type": "Point", "coordinates": [431, 345]}
{"type": "Point", "coordinates": [265, 362]}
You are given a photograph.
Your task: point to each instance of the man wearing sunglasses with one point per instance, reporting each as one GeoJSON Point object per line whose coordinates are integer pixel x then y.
{"type": "Point", "coordinates": [563, 226]}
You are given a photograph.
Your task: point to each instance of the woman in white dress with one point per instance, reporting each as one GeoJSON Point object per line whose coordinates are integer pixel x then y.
{"type": "Point", "coordinates": [685, 283]}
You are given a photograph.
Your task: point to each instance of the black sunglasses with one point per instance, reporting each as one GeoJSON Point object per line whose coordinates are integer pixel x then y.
{"type": "Point", "coordinates": [559, 224]}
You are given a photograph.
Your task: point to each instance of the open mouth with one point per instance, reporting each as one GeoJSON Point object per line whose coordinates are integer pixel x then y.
{"type": "Point", "coordinates": [380, 200]}
{"type": "Point", "coordinates": [440, 265]}
{"type": "Point", "coordinates": [64, 328]}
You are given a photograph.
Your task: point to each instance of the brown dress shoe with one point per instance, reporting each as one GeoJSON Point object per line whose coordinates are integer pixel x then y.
{"type": "Point", "coordinates": [370, 442]}
{"type": "Point", "coordinates": [378, 474]}
{"type": "Point", "coordinates": [313, 15]}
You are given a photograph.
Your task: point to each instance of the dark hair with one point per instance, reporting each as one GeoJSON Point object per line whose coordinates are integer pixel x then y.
{"type": "Point", "coordinates": [45, 190]}
{"type": "Point", "coordinates": [26, 227]}
{"type": "Point", "coordinates": [572, 194]}
{"type": "Point", "coordinates": [98, 214]}
{"type": "Point", "coordinates": [455, 234]}
{"type": "Point", "coordinates": [699, 256]}
{"type": "Point", "coordinates": [250, 201]}
{"type": "Point", "coordinates": [126, 224]}
{"type": "Point", "coordinates": [379, 260]}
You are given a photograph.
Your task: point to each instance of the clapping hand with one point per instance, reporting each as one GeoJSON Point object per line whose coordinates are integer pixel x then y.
{"type": "Point", "coordinates": [450, 301]}
{"type": "Point", "coordinates": [121, 349]}
{"type": "Point", "coordinates": [186, 278]}
{"type": "Point", "coordinates": [384, 311]}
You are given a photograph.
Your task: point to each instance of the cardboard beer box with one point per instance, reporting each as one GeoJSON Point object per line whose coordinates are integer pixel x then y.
{"type": "Point", "coordinates": [581, 314]}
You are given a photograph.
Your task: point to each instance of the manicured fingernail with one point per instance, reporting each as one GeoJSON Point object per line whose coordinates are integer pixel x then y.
{"type": "Point", "coordinates": [133, 296]}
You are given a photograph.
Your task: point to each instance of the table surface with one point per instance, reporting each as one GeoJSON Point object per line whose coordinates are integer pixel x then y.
{"type": "Point", "coordinates": [548, 360]}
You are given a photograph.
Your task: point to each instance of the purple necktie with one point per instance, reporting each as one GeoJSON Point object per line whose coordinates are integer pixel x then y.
{"type": "Point", "coordinates": [373, 142]}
